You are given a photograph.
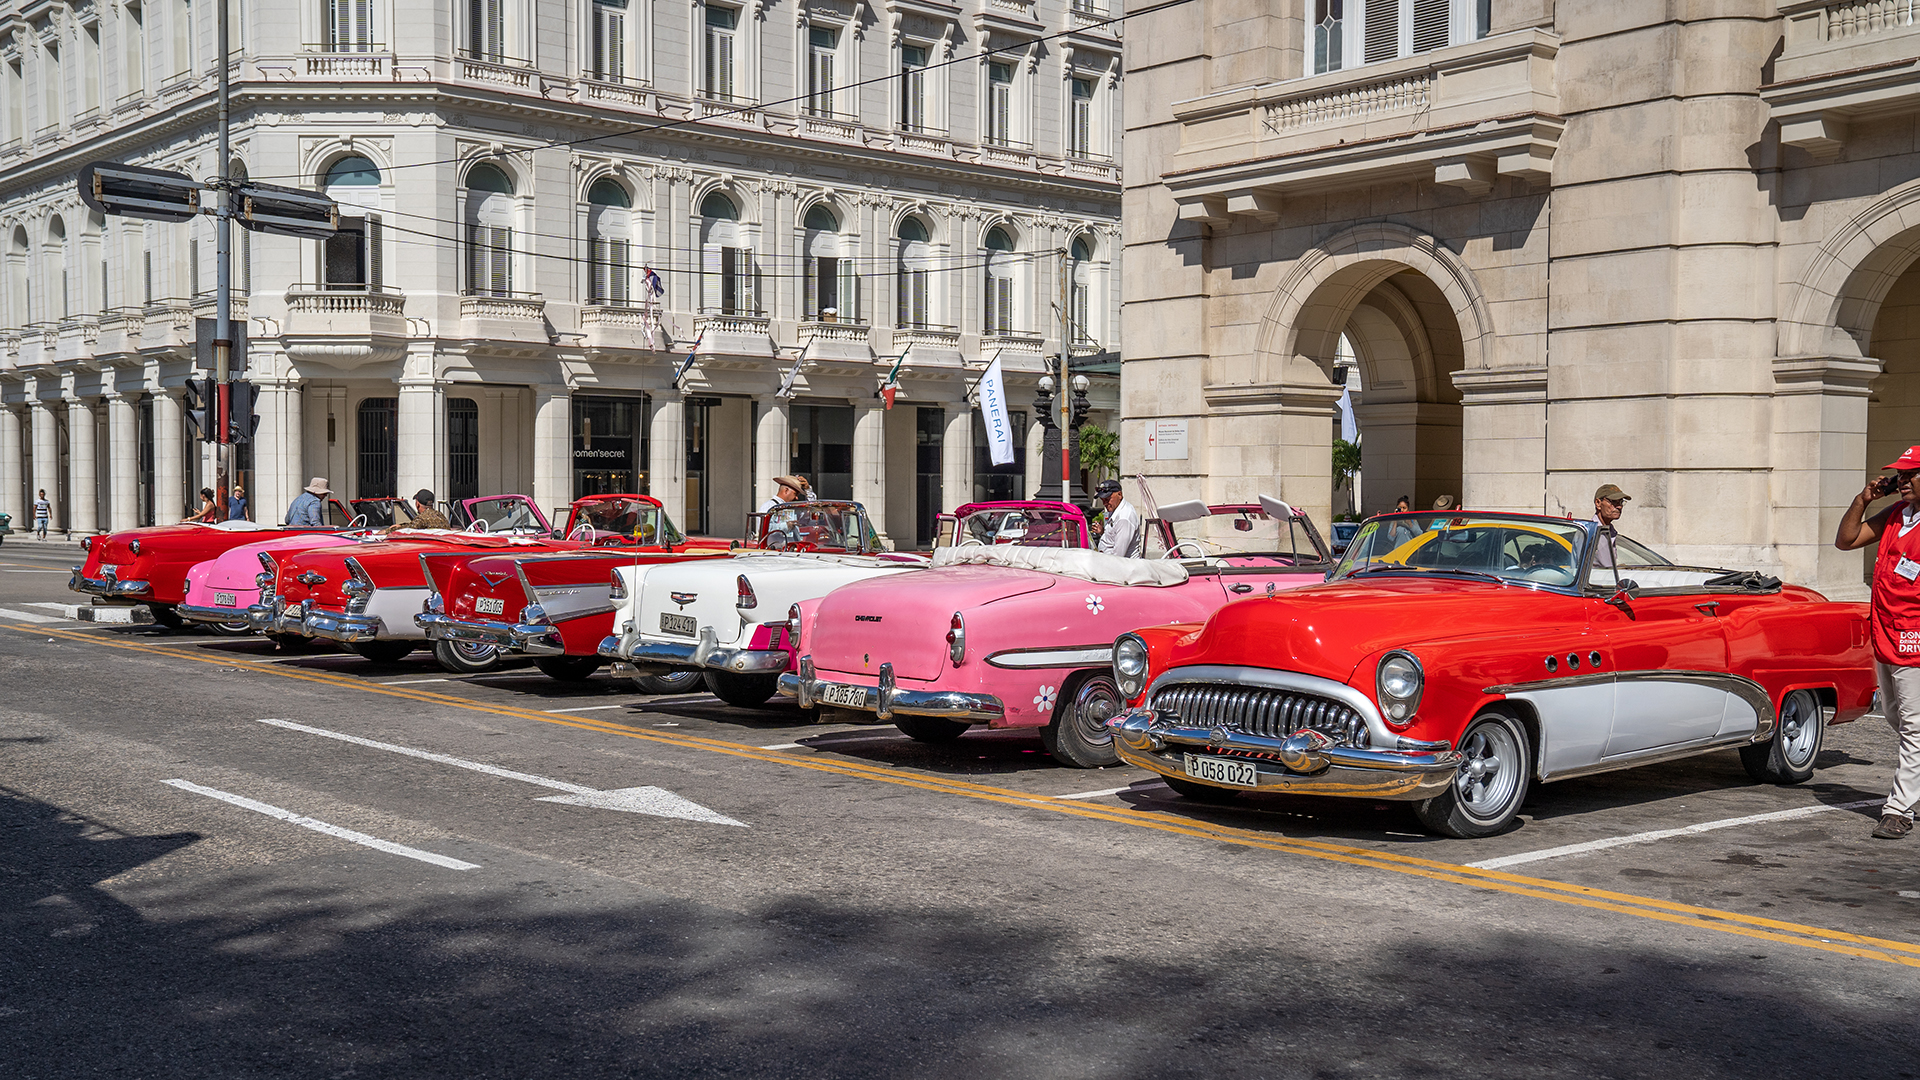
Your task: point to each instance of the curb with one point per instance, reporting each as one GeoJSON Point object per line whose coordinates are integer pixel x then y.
{"type": "Point", "coordinates": [104, 613]}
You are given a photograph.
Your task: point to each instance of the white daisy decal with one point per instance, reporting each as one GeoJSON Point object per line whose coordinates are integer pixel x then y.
{"type": "Point", "coordinates": [1095, 604]}
{"type": "Point", "coordinates": [1044, 699]}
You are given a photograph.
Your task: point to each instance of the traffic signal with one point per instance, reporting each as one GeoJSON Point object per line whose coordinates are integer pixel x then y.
{"type": "Point", "coordinates": [202, 409]}
{"type": "Point", "coordinates": [241, 422]}
{"type": "Point", "coordinates": [133, 191]}
{"type": "Point", "coordinates": [288, 211]}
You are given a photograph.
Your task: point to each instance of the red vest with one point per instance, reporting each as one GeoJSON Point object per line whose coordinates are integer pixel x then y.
{"type": "Point", "coordinates": [1896, 600]}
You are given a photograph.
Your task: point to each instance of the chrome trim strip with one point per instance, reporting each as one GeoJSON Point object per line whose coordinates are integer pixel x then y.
{"type": "Point", "coordinates": [1739, 686]}
{"type": "Point", "coordinates": [887, 701]}
{"type": "Point", "coordinates": [538, 640]}
{"type": "Point", "coordinates": [1649, 757]}
{"type": "Point", "coordinates": [337, 626]}
{"type": "Point", "coordinates": [1309, 764]}
{"type": "Point", "coordinates": [1070, 656]}
{"type": "Point", "coordinates": [110, 585]}
{"type": "Point", "coordinates": [196, 613]}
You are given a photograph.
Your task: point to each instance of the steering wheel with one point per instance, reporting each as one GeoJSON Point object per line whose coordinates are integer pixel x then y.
{"type": "Point", "coordinates": [359, 522]}
{"type": "Point", "coordinates": [479, 525]}
{"type": "Point", "coordinates": [776, 541]}
{"type": "Point", "coordinates": [1198, 551]}
{"type": "Point", "coordinates": [581, 532]}
{"type": "Point", "coordinates": [971, 541]}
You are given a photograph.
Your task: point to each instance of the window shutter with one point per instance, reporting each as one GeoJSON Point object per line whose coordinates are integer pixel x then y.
{"type": "Point", "coordinates": [598, 64]}
{"type": "Point", "coordinates": [1382, 30]}
{"type": "Point", "coordinates": [501, 271]}
{"type": "Point", "coordinates": [476, 269]}
{"type": "Point", "coordinates": [710, 268]}
{"type": "Point", "coordinates": [597, 259]}
{"type": "Point", "coordinates": [810, 277]}
{"type": "Point", "coordinates": [919, 307]}
{"type": "Point", "coordinates": [362, 25]}
{"type": "Point", "coordinates": [1430, 24]}
{"type": "Point", "coordinates": [376, 254]}
{"type": "Point", "coordinates": [1082, 125]}
{"type": "Point", "coordinates": [1002, 112]}
{"type": "Point", "coordinates": [616, 58]}
{"type": "Point", "coordinates": [849, 292]}
{"type": "Point", "coordinates": [1081, 296]}
{"type": "Point", "coordinates": [744, 291]}
{"type": "Point", "coordinates": [617, 272]}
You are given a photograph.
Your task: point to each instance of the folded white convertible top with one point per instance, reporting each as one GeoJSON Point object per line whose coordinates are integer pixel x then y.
{"type": "Point", "coordinates": [1072, 562]}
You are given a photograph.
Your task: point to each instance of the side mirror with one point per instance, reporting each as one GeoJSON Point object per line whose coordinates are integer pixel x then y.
{"type": "Point", "coordinates": [1619, 599]}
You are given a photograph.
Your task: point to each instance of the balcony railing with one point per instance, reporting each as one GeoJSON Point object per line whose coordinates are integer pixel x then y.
{"type": "Point", "coordinates": [496, 68]}
{"type": "Point", "coordinates": [338, 300]}
{"type": "Point", "coordinates": [1018, 341]}
{"type": "Point", "coordinates": [1843, 59]}
{"type": "Point", "coordinates": [926, 336]}
{"type": "Point", "coordinates": [836, 330]}
{"type": "Point", "coordinates": [348, 60]}
{"type": "Point", "coordinates": [756, 324]}
{"type": "Point", "coordinates": [630, 92]}
{"type": "Point", "coordinates": [521, 307]}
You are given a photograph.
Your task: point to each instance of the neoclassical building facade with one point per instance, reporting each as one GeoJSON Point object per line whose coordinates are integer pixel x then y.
{"type": "Point", "coordinates": [1568, 242]}
{"type": "Point", "coordinates": [549, 207]}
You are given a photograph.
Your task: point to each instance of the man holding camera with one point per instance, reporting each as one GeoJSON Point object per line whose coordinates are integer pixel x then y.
{"type": "Point", "coordinates": [1895, 623]}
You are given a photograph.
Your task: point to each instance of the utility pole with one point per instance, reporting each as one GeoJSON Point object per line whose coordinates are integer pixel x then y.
{"type": "Point", "coordinates": [1063, 401]}
{"type": "Point", "coordinates": [223, 262]}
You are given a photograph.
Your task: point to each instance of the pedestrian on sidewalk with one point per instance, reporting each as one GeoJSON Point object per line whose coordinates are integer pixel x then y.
{"type": "Point", "coordinates": [1895, 622]}
{"type": "Point", "coordinates": [237, 504]}
{"type": "Point", "coordinates": [42, 515]}
{"type": "Point", "coordinates": [209, 511]}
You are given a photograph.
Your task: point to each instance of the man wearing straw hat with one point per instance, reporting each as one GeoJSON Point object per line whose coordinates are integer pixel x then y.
{"type": "Point", "coordinates": [308, 511]}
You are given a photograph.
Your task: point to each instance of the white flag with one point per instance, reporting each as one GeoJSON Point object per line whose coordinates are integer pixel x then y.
{"type": "Point", "coordinates": [993, 411]}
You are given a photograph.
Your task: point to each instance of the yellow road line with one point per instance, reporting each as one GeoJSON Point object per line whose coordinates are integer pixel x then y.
{"type": "Point", "coordinates": [1668, 911]}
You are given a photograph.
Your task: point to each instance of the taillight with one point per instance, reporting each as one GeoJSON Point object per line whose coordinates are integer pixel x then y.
{"type": "Point", "coordinates": [134, 546]}
{"type": "Point", "coordinates": [957, 639]}
{"type": "Point", "coordinates": [793, 623]}
{"type": "Point", "coordinates": [264, 579]}
{"type": "Point", "coordinates": [86, 543]}
{"type": "Point", "coordinates": [616, 586]}
{"type": "Point", "coordinates": [743, 595]}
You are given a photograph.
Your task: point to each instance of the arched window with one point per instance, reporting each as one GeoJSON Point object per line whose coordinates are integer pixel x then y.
{"type": "Point", "coordinates": [609, 240]}
{"type": "Point", "coordinates": [1080, 291]}
{"type": "Point", "coordinates": [726, 262]}
{"type": "Point", "coordinates": [54, 261]}
{"type": "Point", "coordinates": [916, 255]}
{"type": "Point", "coordinates": [489, 232]}
{"type": "Point", "coordinates": [833, 291]}
{"type": "Point", "coordinates": [999, 281]}
{"type": "Point", "coordinates": [353, 257]}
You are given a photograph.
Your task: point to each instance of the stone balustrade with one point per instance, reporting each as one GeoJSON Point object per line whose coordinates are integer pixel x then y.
{"type": "Point", "coordinates": [302, 301]}
{"type": "Point", "coordinates": [1843, 60]}
{"type": "Point", "coordinates": [525, 307]}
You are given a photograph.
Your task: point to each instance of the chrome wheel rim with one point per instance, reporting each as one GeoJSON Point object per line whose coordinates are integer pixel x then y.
{"type": "Point", "coordinates": [1490, 773]}
{"type": "Point", "coordinates": [1094, 704]}
{"type": "Point", "coordinates": [474, 651]}
{"type": "Point", "coordinates": [1799, 731]}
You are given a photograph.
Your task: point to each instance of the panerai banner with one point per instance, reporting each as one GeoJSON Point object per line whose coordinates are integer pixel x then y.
{"type": "Point", "coordinates": [993, 412]}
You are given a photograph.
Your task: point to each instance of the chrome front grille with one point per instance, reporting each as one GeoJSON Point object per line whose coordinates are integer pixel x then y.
{"type": "Point", "coordinates": [1254, 710]}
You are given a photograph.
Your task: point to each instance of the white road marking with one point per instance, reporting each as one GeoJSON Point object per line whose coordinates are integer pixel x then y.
{"type": "Point", "coordinates": [1098, 794]}
{"type": "Point", "coordinates": [821, 745]}
{"type": "Point", "coordinates": [658, 802]}
{"type": "Point", "coordinates": [1665, 834]}
{"type": "Point", "coordinates": [293, 658]}
{"type": "Point", "coordinates": [782, 746]}
{"type": "Point", "coordinates": [411, 682]}
{"type": "Point", "coordinates": [322, 827]}
{"type": "Point", "coordinates": [29, 616]}
{"type": "Point", "coordinates": [582, 708]}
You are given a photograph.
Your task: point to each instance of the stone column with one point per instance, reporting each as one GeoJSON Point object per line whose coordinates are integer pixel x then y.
{"type": "Point", "coordinates": [1036, 456]}
{"type": "Point", "coordinates": [870, 462]}
{"type": "Point", "coordinates": [14, 498]}
{"type": "Point", "coordinates": [169, 480]}
{"type": "Point", "coordinates": [123, 466]}
{"type": "Point", "coordinates": [422, 439]}
{"type": "Point", "coordinates": [278, 451]}
{"type": "Point", "coordinates": [956, 458]}
{"type": "Point", "coordinates": [772, 445]}
{"type": "Point", "coordinates": [83, 492]}
{"type": "Point", "coordinates": [667, 450]}
{"type": "Point", "coordinates": [553, 449]}
{"type": "Point", "coordinates": [46, 462]}
{"type": "Point", "coordinates": [1820, 434]}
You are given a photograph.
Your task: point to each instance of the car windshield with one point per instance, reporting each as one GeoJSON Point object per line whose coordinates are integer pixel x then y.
{"type": "Point", "coordinates": [382, 512]}
{"type": "Point", "coordinates": [818, 525]}
{"type": "Point", "coordinates": [1543, 550]}
{"type": "Point", "coordinates": [636, 518]}
{"type": "Point", "coordinates": [1232, 531]}
{"type": "Point", "coordinates": [1027, 526]}
{"type": "Point", "coordinates": [506, 514]}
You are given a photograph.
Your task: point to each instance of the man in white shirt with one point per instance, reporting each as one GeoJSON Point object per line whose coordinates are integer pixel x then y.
{"type": "Point", "coordinates": [1121, 532]}
{"type": "Point", "coordinates": [1608, 502]}
{"type": "Point", "coordinates": [786, 489]}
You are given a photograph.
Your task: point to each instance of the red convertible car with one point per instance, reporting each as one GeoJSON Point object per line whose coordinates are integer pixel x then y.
{"type": "Point", "coordinates": [149, 566]}
{"type": "Point", "coordinates": [1454, 659]}
{"type": "Point", "coordinates": [366, 596]}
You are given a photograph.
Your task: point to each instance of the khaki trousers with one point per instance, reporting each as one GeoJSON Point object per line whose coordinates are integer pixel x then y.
{"type": "Point", "coordinates": [1900, 700]}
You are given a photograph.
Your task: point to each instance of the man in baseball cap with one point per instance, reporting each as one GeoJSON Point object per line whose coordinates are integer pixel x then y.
{"type": "Point", "coordinates": [1894, 621]}
{"type": "Point", "coordinates": [1119, 532]}
{"type": "Point", "coordinates": [1608, 501]}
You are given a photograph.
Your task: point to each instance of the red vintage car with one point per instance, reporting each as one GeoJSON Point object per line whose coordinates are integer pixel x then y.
{"type": "Point", "coordinates": [149, 566]}
{"type": "Point", "coordinates": [1453, 659]}
{"type": "Point", "coordinates": [366, 596]}
{"type": "Point", "coordinates": [571, 595]}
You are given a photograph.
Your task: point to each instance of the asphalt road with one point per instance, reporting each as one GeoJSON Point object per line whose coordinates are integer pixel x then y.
{"type": "Point", "coordinates": [836, 900]}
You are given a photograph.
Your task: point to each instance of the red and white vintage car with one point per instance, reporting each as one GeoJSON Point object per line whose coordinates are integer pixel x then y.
{"type": "Point", "coordinates": [366, 596]}
{"type": "Point", "coordinates": [149, 566]}
{"type": "Point", "coordinates": [1454, 659]}
{"type": "Point", "coordinates": [1008, 635]}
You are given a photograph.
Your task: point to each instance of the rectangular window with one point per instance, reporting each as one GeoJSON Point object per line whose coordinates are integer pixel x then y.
{"type": "Point", "coordinates": [146, 256]}
{"type": "Point", "coordinates": [823, 448]}
{"type": "Point", "coordinates": [609, 45]}
{"type": "Point", "coordinates": [1345, 33]}
{"type": "Point", "coordinates": [993, 483]}
{"type": "Point", "coordinates": [183, 37]}
{"type": "Point", "coordinates": [1000, 104]}
{"type": "Point", "coordinates": [999, 317]}
{"type": "Point", "coordinates": [350, 25]}
{"type": "Point", "coordinates": [609, 445]}
{"type": "Point", "coordinates": [1080, 307]}
{"type": "Point", "coordinates": [719, 52]}
{"type": "Point", "coordinates": [913, 298]}
{"type": "Point", "coordinates": [463, 449]}
{"type": "Point", "coordinates": [1080, 123]}
{"type": "Point", "coordinates": [823, 285]}
{"type": "Point", "coordinates": [822, 43]}
{"type": "Point", "coordinates": [727, 280]}
{"type": "Point", "coordinates": [134, 25]}
{"type": "Point", "coordinates": [930, 428]}
{"type": "Point", "coordinates": [489, 260]}
{"type": "Point", "coordinates": [487, 29]}
{"type": "Point", "coordinates": [52, 90]}
{"type": "Point", "coordinates": [16, 94]}
{"type": "Point", "coordinates": [608, 263]}
{"type": "Point", "coordinates": [913, 88]}
{"type": "Point", "coordinates": [379, 457]}
{"type": "Point", "coordinates": [90, 71]}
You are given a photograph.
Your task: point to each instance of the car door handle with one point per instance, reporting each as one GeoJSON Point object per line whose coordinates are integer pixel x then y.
{"type": "Point", "coordinates": [1711, 607]}
{"type": "Point", "coordinates": [1240, 587]}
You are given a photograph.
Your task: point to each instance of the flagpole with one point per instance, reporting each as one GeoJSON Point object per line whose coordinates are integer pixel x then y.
{"type": "Point", "coordinates": [1064, 401]}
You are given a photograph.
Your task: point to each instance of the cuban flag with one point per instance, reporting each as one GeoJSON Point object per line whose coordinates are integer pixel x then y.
{"type": "Point", "coordinates": [681, 371]}
{"type": "Point", "coordinates": [653, 282]}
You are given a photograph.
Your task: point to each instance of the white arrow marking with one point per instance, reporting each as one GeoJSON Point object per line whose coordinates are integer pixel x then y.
{"type": "Point", "coordinates": [641, 800]}
{"type": "Point", "coordinates": [318, 826]}
{"type": "Point", "coordinates": [646, 800]}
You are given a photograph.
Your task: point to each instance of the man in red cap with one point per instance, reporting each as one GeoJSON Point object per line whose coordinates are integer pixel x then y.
{"type": "Point", "coordinates": [1896, 623]}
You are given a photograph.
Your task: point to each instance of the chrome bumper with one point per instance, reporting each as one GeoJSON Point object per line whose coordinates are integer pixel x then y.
{"type": "Point", "coordinates": [1308, 762]}
{"type": "Point", "coordinates": [277, 618]}
{"type": "Point", "coordinates": [195, 613]}
{"type": "Point", "coordinates": [885, 700]}
{"type": "Point", "coordinates": [109, 586]}
{"type": "Point", "coordinates": [344, 628]}
{"type": "Point", "coordinates": [537, 639]}
{"type": "Point", "coordinates": [705, 653]}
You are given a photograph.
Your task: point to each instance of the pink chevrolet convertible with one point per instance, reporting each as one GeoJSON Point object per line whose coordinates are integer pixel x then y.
{"type": "Point", "coordinates": [221, 590]}
{"type": "Point", "coordinates": [1011, 635]}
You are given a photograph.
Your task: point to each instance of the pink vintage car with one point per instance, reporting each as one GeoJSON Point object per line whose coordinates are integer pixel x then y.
{"type": "Point", "coordinates": [221, 590]}
{"type": "Point", "coordinates": [1010, 635]}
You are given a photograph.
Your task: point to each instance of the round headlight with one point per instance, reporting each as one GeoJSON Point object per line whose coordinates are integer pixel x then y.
{"type": "Point", "coordinates": [1399, 682]}
{"type": "Point", "coordinates": [1130, 666]}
